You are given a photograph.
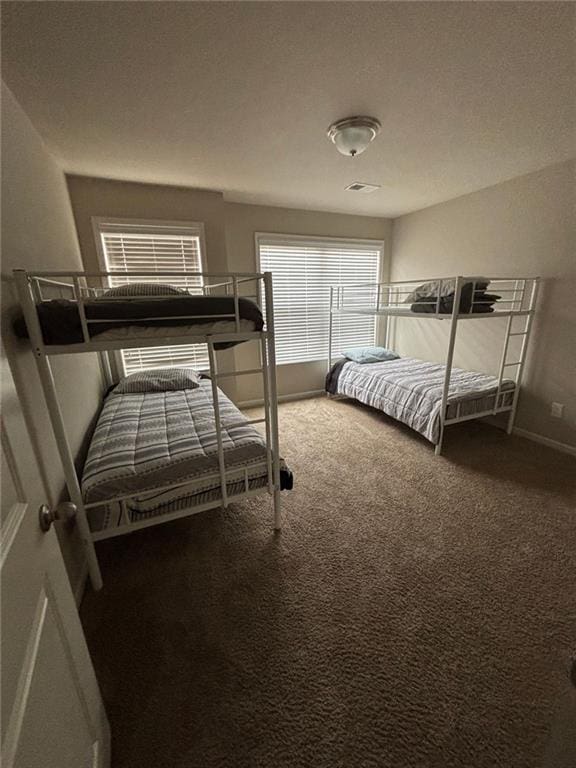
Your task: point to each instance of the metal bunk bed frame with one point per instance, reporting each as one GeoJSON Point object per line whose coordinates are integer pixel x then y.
{"type": "Point", "coordinates": [388, 300]}
{"type": "Point", "coordinates": [81, 286]}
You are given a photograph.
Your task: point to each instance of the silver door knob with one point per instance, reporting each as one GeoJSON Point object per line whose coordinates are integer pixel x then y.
{"type": "Point", "coordinates": [64, 511]}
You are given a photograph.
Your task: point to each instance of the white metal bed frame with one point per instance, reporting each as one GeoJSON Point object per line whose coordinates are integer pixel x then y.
{"type": "Point", "coordinates": [388, 300]}
{"type": "Point", "coordinates": [80, 286]}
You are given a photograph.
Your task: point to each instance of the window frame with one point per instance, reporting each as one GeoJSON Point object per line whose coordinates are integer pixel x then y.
{"type": "Point", "coordinates": [288, 239]}
{"type": "Point", "coordinates": [147, 226]}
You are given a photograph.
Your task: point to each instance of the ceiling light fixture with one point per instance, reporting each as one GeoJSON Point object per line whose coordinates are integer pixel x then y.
{"type": "Point", "coordinates": [353, 134]}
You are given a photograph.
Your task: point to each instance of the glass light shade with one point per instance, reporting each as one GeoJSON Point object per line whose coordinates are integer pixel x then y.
{"type": "Point", "coordinates": [352, 135]}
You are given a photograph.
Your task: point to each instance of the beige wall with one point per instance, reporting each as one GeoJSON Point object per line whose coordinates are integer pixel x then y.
{"type": "Point", "coordinates": [38, 233]}
{"type": "Point", "coordinates": [124, 199]}
{"type": "Point", "coordinates": [242, 222]}
{"type": "Point", "coordinates": [522, 227]}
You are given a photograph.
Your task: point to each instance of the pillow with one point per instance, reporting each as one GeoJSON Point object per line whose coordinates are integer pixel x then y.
{"type": "Point", "coordinates": [158, 380]}
{"type": "Point", "coordinates": [144, 289]}
{"type": "Point", "coordinates": [436, 288]}
{"type": "Point", "coordinates": [370, 354]}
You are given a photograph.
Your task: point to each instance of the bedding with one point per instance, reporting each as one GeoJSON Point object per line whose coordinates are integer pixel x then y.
{"type": "Point", "coordinates": [60, 319]}
{"type": "Point", "coordinates": [158, 380]}
{"type": "Point", "coordinates": [410, 390]}
{"type": "Point", "coordinates": [143, 442]}
{"type": "Point", "coordinates": [147, 506]}
{"type": "Point", "coordinates": [447, 287]}
{"type": "Point", "coordinates": [437, 296]}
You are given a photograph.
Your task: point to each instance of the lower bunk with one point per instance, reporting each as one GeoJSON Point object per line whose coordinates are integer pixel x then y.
{"type": "Point", "coordinates": [154, 457]}
{"type": "Point", "coordinates": [410, 391]}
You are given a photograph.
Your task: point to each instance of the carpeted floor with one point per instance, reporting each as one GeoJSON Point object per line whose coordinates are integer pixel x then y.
{"type": "Point", "coordinates": [414, 611]}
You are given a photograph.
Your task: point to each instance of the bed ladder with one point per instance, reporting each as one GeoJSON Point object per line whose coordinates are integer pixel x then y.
{"type": "Point", "coordinates": [516, 365]}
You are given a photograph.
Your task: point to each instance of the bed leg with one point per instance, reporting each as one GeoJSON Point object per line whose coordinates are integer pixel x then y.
{"type": "Point", "coordinates": [510, 423]}
{"type": "Point", "coordinates": [438, 449]}
{"type": "Point", "coordinates": [277, 511]}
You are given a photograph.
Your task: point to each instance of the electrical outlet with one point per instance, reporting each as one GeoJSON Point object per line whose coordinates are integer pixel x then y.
{"type": "Point", "coordinates": [557, 410]}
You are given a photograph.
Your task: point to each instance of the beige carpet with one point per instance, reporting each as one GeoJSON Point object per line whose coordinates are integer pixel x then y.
{"type": "Point", "coordinates": [414, 611]}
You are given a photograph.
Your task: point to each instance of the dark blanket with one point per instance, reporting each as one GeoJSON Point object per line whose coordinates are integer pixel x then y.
{"type": "Point", "coordinates": [481, 302]}
{"type": "Point", "coordinates": [60, 320]}
{"type": "Point", "coordinates": [331, 385]}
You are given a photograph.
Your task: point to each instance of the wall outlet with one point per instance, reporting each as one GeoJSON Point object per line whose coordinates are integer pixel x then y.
{"type": "Point", "coordinates": [557, 410]}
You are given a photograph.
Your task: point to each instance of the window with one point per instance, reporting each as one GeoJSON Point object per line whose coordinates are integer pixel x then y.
{"type": "Point", "coordinates": [303, 269]}
{"type": "Point", "coordinates": [154, 246]}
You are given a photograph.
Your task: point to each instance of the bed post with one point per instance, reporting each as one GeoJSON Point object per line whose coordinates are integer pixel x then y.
{"type": "Point", "coordinates": [330, 334]}
{"type": "Point", "coordinates": [523, 350]}
{"type": "Point", "coordinates": [270, 337]}
{"type": "Point", "coordinates": [449, 359]}
{"type": "Point", "coordinates": [57, 420]}
{"type": "Point", "coordinates": [217, 423]}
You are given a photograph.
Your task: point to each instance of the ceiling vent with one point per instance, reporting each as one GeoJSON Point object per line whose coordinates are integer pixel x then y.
{"type": "Point", "coordinates": [365, 189]}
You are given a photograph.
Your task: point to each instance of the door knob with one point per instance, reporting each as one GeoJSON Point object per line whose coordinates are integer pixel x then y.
{"type": "Point", "coordinates": [64, 511]}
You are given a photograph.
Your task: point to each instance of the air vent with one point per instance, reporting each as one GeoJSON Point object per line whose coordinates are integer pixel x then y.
{"type": "Point", "coordinates": [365, 189]}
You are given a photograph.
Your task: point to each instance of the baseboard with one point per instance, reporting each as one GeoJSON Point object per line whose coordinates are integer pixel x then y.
{"type": "Point", "coordinates": [282, 398]}
{"type": "Point", "coordinates": [564, 447]}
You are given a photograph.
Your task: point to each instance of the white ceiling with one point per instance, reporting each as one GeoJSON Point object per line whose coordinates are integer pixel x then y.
{"type": "Point", "coordinates": [237, 96]}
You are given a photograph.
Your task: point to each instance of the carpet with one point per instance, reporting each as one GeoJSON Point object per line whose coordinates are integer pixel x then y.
{"type": "Point", "coordinates": [414, 611]}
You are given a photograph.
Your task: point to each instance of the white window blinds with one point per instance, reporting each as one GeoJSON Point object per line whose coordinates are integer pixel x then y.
{"type": "Point", "coordinates": [142, 246]}
{"type": "Point", "coordinates": [303, 271]}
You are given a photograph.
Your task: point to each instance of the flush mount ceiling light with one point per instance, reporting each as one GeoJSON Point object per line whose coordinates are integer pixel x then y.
{"type": "Point", "coordinates": [353, 134]}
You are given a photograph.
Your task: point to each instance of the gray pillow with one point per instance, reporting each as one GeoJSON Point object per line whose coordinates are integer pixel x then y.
{"type": "Point", "coordinates": [144, 289]}
{"type": "Point", "coordinates": [158, 380]}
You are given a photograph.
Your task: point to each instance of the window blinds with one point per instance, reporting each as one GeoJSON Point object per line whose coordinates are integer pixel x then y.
{"type": "Point", "coordinates": [156, 248]}
{"type": "Point", "coordinates": [303, 271]}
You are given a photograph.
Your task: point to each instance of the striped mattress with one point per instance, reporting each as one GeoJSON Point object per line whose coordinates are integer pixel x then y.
{"type": "Point", "coordinates": [410, 391]}
{"type": "Point", "coordinates": [145, 442]}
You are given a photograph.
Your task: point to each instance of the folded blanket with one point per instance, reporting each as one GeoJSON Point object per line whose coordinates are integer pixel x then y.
{"type": "Point", "coordinates": [331, 384]}
{"type": "Point", "coordinates": [480, 303]}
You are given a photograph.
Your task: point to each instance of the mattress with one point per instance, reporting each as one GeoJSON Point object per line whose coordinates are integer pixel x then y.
{"type": "Point", "coordinates": [128, 332]}
{"type": "Point", "coordinates": [60, 319]}
{"type": "Point", "coordinates": [144, 442]}
{"type": "Point", "coordinates": [147, 506]}
{"type": "Point", "coordinates": [410, 391]}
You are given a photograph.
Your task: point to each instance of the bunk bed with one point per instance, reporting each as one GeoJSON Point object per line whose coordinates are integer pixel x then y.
{"type": "Point", "coordinates": [158, 455]}
{"type": "Point", "coordinates": [429, 396]}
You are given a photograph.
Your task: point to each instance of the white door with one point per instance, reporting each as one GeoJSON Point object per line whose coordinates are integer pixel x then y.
{"type": "Point", "coordinates": [52, 711]}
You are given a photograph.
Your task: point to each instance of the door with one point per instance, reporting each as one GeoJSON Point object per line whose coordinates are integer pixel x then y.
{"type": "Point", "coordinates": [52, 712]}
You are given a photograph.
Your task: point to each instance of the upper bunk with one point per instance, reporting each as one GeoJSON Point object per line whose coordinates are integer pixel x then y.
{"type": "Point", "coordinates": [71, 312]}
{"type": "Point", "coordinates": [436, 298]}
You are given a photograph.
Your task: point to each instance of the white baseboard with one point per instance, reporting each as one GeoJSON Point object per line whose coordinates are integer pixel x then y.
{"type": "Point", "coordinates": [564, 447]}
{"type": "Point", "coordinates": [282, 398]}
